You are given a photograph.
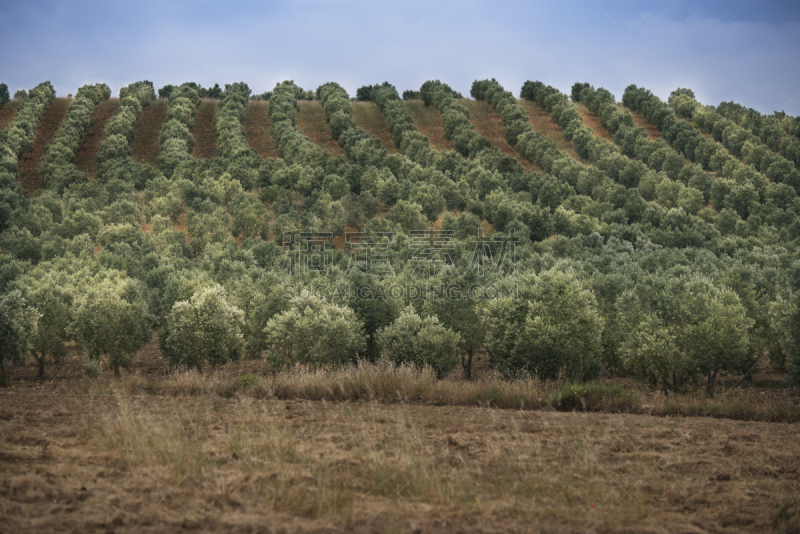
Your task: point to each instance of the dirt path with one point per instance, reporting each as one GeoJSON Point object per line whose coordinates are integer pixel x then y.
{"type": "Point", "coordinates": [145, 147]}
{"type": "Point", "coordinates": [368, 116]}
{"type": "Point", "coordinates": [29, 177]}
{"type": "Point", "coordinates": [640, 120]}
{"type": "Point", "coordinates": [85, 158]}
{"type": "Point", "coordinates": [490, 125]}
{"type": "Point", "coordinates": [7, 113]}
{"type": "Point", "coordinates": [203, 130]}
{"type": "Point", "coordinates": [429, 122]}
{"type": "Point", "coordinates": [311, 122]}
{"type": "Point", "coordinates": [256, 128]}
{"type": "Point", "coordinates": [542, 122]}
{"type": "Point", "coordinates": [592, 121]}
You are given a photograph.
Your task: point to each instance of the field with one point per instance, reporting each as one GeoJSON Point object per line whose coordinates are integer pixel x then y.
{"type": "Point", "coordinates": [640, 377]}
{"type": "Point", "coordinates": [155, 452]}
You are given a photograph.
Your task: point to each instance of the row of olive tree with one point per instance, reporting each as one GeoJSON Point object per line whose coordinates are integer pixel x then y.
{"type": "Point", "coordinates": [688, 141]}
{"type": "Point", "coordinates": [113, 155]}
{"type": "Point", "coordinates": [176, 139]}
{"type": "Point", "coordinates": [779, 132]}
{"type": "Point", "coordinates": [58, 163]}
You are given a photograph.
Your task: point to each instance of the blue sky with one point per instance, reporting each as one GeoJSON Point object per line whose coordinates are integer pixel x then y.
{"type": "Point", "coordinates": [737, 50]}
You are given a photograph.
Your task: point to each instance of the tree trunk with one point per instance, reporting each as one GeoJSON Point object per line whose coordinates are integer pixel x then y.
{"type": "Point", "coordinates": [467, 363]}
{"type": "Point", "coordinates": [710, 386]}
{"type": "Point", "coordinates": [39, 362]}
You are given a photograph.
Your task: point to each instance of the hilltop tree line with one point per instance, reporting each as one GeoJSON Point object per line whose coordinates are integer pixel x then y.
{"type": "Point", "coordinates": [672, 260]}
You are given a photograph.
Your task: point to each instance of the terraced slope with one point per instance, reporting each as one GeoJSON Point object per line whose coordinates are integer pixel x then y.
{"type": "Point", "coordinates": [145, 147]}
{"type": "Point", "coordinates": [7, 113]}
{"type": "Point", "coordinates": [542, 122]}
{"type": "Point", "coordinates": [490, 125]}
{"type": "Point", "coordinates": [85, 159]}
{"type": "Point", "coordinates": [311, 122]}
{"type": "Point", "coordinates": [429, 122]}
{"type": "Point", "coordinates": [28, 165]}
{"type": "Point", "coordinates": [203, 130]}
{"type": "Point", "coordinates": [368, 116]}
{"type": "Point", "coordinates": [256, 128]}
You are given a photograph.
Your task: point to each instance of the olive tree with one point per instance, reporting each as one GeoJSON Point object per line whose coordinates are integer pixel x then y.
{"type": "Point", "coordinates": [553, 327]}
{"type": "Point", "coordinates": [112, 319]}
{"type": "Point", "coordinates": [314, 331]}
{"type": "Point", "coordinates": [205, 328]}
{"type": "Point", "coordinates": [420, 341]}
{"type": "Point", "coordinates": [18, 323]}
{"type": "Point", "coordinates": [684, 327]}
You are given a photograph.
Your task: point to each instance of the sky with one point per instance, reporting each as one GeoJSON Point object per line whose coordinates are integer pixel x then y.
{"type": "Point", "coordinates": [739, 50]}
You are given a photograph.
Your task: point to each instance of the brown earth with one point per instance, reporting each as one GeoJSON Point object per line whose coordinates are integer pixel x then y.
{"type": "Point", "coordinates": [145, 147]}
{"type": "Point", "coordinates": [125, 455]}
{"type": "Point", "coordinates": [311, 122]}
{"type": "Point", "coordinates": [7, 113]}
{"type": "Point", "coordinates": [542, 122]}
{"type": "Point", "coordinates": [256, 128]}
{"type": "Point", "coordinates": [368, 116]}
{"type": "Point", "coordinates": [429, 122]}
{"type": "Point", "coordinates": [489, 124]}
{"type": "Point", "coordinates": [640, 120]}
{"type": "Point", "coordinates": [49, 124]}
{"type": "Point", "coordinates": [85, 158]}
{"type": "Point", "coordinates": [203, 130]}
{"type": "Point", "coordinates": [592, 121]}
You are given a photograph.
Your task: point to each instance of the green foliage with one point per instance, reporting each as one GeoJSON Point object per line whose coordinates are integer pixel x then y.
{"type": "Point", "coordinates": [247, 381]}
{"type": "Point", "coordinates": [18, 328]}
{"type": "Point", "coordinates": [420, 341]}
{"type": "Point", "coordinates": [111, 318]}
{"type": "Point", "coordinates": [4, 97]}
{"type": "Point", "coordinates": [554, 327]}
{"type": "Point", "coordinates": [314, 332]}
{"type": "Point", "coordinates": [203, 330]}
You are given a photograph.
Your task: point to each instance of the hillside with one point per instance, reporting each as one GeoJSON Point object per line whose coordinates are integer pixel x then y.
{"type": "Point", "coordinates": [578, 312]}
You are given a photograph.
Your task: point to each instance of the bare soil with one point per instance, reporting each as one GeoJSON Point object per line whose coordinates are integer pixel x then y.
{"type": "Point", "coordinates": [592, 121]}
{"type": "Point", "coordinates": [429, 122]}
{"type": "Point", "coordinates": [368, 116]}
{"type": "Point", "coordinates": [145, 147]}
{"type": "Point", "coordinates": [29, 177]}
{"type": "Point", "coordinates": [203, 130]}
{"type": "Point", "coordinates": [489, 124]}
{"type": "Point", "coordinates": [85, 158]}
{"type": "Point", "coordinates": [7, 113]}
{"type": "Point", "coordinates": [81, 455]}
{"type": "Point", "coordinates": [640, 120]}
{"type": "Point", "coordinates": [311, 122]}
{"type": "Point", "coordinates": [256, 129]}
{"type": "Point", "coordinates": [542, 122]}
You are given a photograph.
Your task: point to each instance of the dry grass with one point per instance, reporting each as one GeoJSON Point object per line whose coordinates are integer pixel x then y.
{"type": "Point", "coordinates": [94, 456]}
{"type": "Point", "coordinates": [145, 147]}
{"type": "Point", "coordinates": [85, 158]}
{"type": "Point", "coordinates": [640, 120]}
{"type": "Point", "coordinates": [429, 122]}
{"type": "Point", "coordinates": [256, 128]}
{"type": "Point", "coordinates": [311, 122]}
{"type": "Point", "coordinates": [489, 124]}
{"type": "Point", "coordinates": [29, 177]}
{"type": "Point", "coordinates": [7, 113]}
{"type": "Point", "coordinates": [368, 116]}
{"type": "Point", "coordinates": [542, 122]}
{"type": "Point", "coordinates": [203, 130]}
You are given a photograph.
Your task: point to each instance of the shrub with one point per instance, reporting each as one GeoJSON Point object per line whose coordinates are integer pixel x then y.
{"type": "Point", "coordinates": [314, 332]}
{"type": "Point", "coordinates": [420, 341]}
{"type": "Point", "coordinates": [205, 329]}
